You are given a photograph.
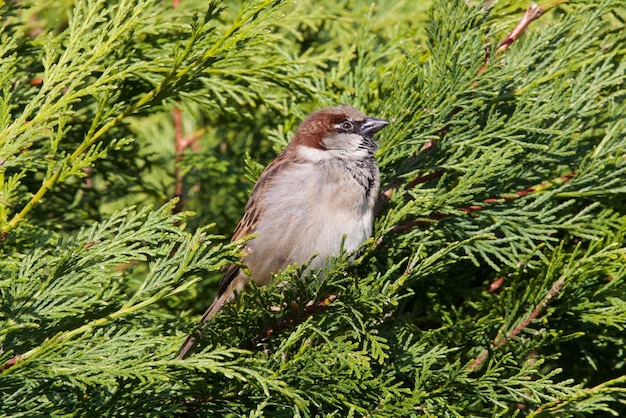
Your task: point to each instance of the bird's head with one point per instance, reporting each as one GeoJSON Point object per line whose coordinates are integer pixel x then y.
{"type": "Point", "coordinates": [338, 131]}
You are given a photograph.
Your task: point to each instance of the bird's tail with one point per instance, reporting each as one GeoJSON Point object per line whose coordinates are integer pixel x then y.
{"type": "Point", "coordinates": [189, 345]}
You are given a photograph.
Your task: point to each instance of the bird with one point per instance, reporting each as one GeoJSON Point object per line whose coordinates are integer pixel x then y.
{"type": "Point", "coordinates": [315, 196]}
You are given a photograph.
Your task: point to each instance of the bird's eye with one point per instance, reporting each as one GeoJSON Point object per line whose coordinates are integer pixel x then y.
{"type": "Point", "coordinates": [347, 126]}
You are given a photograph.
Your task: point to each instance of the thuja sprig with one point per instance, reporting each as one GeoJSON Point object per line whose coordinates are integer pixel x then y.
{"type": "Point", "coordinates": [181, 70]}
{"type": "Point", "coordinates": [532, 13]}
{"type": "Point", "coordinates": [545, 186]}
{"type": "Point", "coordinates": [182, 256]}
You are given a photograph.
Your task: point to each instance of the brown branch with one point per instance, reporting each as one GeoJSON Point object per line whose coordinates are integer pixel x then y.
{"type": "Point", "coordinates": [10, 363]}
{"type": "Point", "coordinates": [419, 222]}
{"type": "Point", "coordinates": [496, 285]}
{"type": "Point", "coordinates": [181, 143]}
{"type": "Point", "coordinates": [533, 12]}
{"type": "Point", "coordinates": [424, 179]}
{"type": "Point", "coordinates": [500, 340]}
{"type": "Point", "coordinates": [179, 149]}
{"type": "Point", "coordinates": [521, 193]}
{"type": "Point", "coordinates": [488, 5]}
{"type": "Point", "coordinates": [475, 208]}
{"type": "Point", "coordinates": [281, 324]}
{"type": "Point", "coordinates": [386, 194]}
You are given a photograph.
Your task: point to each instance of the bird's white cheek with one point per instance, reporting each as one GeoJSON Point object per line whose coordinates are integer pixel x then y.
{"type": "Point", "coordinates": [314, 155]}
{"type": "Point", "coordinates": [342, 146]}
{"type": "Point", "coordinates": [347, 142]}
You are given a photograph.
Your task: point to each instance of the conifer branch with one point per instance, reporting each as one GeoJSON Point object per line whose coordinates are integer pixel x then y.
{"type": "Point", "coordinates": [607, 387]}
{"type": "Point", "coordinates": [175, 74]}
{"type": "Point", "coordinates": [475, 208]}
{"type": "Point", "coordinates": [532, 13]}
{"type": "Point", "coordinates": [500, 340]}
{"type": "Point", "coordinates": [310, 309]}
{"type": "Point", "coordinates": [127, 309]}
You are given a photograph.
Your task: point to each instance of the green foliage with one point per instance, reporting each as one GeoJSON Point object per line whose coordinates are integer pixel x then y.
{"type": "Point", "coordinates": [493, 286]}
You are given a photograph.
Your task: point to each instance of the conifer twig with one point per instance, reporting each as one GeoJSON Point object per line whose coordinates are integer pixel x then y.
{"type": "Point", "coordinates": [583, 393]}
{"type": "Point", "coordinates": [125, 310]}
{"type": "Point", "coordinates": [176, 73]}
{"type": "Point", "coordinates": [475, 208]}
{"type": "Point", "coordinates": [309, 309]}
{"type": "Point", "coordinates": [533, 12]}
{"type": "Point", "coordinates": [500, 340]}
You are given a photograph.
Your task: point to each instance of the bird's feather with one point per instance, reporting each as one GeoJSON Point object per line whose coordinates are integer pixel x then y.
{"type": "Point", "coordinates": [235, 279]}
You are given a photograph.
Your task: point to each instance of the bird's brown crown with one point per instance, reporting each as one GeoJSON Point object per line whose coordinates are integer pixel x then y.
{"type": "Point", "coordinates": [324, 122]}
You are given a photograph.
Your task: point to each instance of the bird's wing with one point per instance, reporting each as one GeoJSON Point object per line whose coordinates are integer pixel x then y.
{"type": "Point", "coordinates": [254, 211]}
{"type": "Point", "coordinates": [235, 279]}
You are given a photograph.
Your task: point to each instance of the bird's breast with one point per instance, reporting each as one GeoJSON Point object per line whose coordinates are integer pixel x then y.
{"type": "Point", "coordinates": [309, 209]}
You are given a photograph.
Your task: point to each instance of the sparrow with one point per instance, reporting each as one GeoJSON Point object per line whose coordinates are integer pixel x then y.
{"type": "Point", "coordinates": [321, 188]}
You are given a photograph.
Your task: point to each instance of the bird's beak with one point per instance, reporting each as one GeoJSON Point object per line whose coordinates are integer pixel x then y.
{"type": "Point", "coordinates": [373, 125]}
